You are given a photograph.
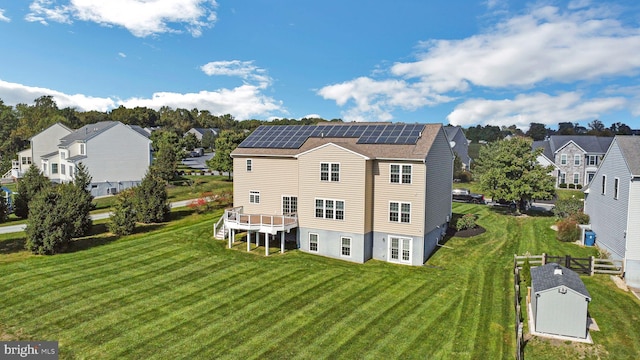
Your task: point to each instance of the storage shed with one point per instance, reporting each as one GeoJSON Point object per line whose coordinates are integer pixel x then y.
{"type": "Point", "coordinates": [559, 301]}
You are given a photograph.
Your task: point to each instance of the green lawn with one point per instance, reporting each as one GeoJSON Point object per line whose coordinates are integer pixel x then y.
{"type": "Point", "coordinates": [173, 292]}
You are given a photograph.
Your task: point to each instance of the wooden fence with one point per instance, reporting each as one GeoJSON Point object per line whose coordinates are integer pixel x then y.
{"type": "Point", "coordinates": [586, 266]}
{"type": "Point", "coordinates": [519, 319]}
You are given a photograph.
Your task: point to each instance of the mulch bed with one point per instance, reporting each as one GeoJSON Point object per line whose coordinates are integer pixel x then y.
{"type": "Point", "coordinates": [466, 233]}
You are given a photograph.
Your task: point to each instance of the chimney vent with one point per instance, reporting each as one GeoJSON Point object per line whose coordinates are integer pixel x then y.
{"type": "Point", "coordinates": [557, 270]}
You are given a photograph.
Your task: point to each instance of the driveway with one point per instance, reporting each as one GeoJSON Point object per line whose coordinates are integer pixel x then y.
{"type": "Point", "coordinates": [199, 162]}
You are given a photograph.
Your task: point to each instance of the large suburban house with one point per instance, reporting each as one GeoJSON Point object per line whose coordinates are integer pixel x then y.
{"type": "Point", "coordinates": [354, 191]}
{"type": "Point", "coordinates": [575, 157]}
{"type": "Point", "coordinates": [459, 144]}
{"type": "Point", "coordinates": [612, 201]}
{"type": "Point", "coordinates": [117, 156]}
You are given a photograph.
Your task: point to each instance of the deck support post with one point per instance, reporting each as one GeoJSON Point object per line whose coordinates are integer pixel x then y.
{"type": "Point", "coordinates": [230, 237]}
{"type": "Point", "coordinates": [282, 242]}
{"type": "Point", "coordinates": [248, 240]}
{"type": "Point", "coordinates": [266, 244]}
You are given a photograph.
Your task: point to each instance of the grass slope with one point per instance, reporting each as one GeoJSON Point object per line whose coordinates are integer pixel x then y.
{"type": "Point", "coordinates": [176, 293]}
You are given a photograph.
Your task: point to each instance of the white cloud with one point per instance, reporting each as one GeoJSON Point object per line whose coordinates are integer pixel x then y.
{"type": "Point", "coordinates": [544, 48]}
{"type": "Point", "coordinates": [3, 17]}
{"type": "Point", "coordinates": [243, 69]}
{"type": "Point", "coordinates": [243, 102]}
{"type": "Point", "coordinates": [122, 55]}
{"type": "Point", "coordinates": [141, 18]}
{"type": "Point", "coordinates": [539, 108]}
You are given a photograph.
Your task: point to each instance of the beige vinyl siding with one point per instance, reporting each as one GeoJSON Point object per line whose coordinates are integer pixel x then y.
{"type": "Point", "coordinates": [350, 188]}
{"type": "Point", "coordinates": [439, 183]}
{"type": "Point", "coordinates": [271, 176]}
{"type": "Point", "coordinates": [385, 192]}
{"type": "Point", "coordinates": [368, 201]}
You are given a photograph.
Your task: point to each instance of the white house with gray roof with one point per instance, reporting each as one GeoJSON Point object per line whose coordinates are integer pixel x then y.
{"type": "Point", "coordinates": [117, 156]}
{"type": "Point", "coordinates": [575, 157]}
{"type": "Point", "coordinates": [42, 144]}
{"type": "Point", "coordinates": [348, 191]}
{"type": "Point", "coordinates": [612, 201]}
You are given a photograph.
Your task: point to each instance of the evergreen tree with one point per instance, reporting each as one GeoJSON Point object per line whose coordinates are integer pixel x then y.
{"type": "Point", "coordinates": [31, 183]}
{"type": "Point", "coordinates": [4, 209]}
{"type": "Point", "coordinates": [48, 228]}
{"type": "Point", "coordinates": [166, 157]}
{"type": "Point", "coordinates": [151, 204]}
{"type": "Point", "coordinates": [509, 170]}
{"type": "Point", "coordinates": [123, 215]}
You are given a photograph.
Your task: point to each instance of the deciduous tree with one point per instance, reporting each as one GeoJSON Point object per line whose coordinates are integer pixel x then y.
{"type": "Point", "coordinates": [509, 170]}
{"type": "Point", "coordinates": [225, 144]}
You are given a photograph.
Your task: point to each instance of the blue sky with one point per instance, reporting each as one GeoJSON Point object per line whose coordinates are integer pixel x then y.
{"type": "Point", "coordinates": [460, 62]}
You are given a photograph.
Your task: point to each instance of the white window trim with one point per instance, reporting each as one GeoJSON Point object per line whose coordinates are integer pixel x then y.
{"type": "Point", "coordinates": [604, 185]}
{"type": "Point", "coordinates": [574, 178]}
{"type": "Point", "coordinates": [317, 243]}
{"type": "Point", "coordinates": [616, 188]}
{"type": "Point", "coordinates": [253, 198]}
{"type": "Point", "coordinates": [399, 260]}
{"type": "Point", "coordinates": [595, 160]}
{"type": "Point", "coordinates": [576, 160]}
{"type": "Point", "coordinates": [562, 176]}
{"type": "Point", "coordinates": [83, 149]}
{"type": "Point", "coordinates": [249, 165]}
{"type": "Point", "coordinates": [290, 197]}
{"type": "Point", "coordinates": [401, 173]}
{"type": "Point", "coordinates": [563, 159]}
{"type": "Point", "coordinates": [400, 203]}
{"type": "Point", "coordinates": [330, 171]}
{"type": "Point", "coordinates": [335, 207]}
{"type": "Point", "coordinates": [350, 246]}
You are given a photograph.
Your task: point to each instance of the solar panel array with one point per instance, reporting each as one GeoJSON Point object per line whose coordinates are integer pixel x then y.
{"type": "Point", "coordinates": [293, 136]}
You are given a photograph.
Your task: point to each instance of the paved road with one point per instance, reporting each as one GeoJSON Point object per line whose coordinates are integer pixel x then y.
{"type": "Point", "coordinates": [100, 216]}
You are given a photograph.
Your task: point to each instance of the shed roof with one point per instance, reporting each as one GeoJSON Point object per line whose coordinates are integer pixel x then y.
{"type": "Point", "coordinates": [544, 278]}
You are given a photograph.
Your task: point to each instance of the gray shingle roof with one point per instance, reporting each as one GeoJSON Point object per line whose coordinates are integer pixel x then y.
{"type": "Point", "coordinates": [630, 147]}
{"type": "Point", "coordinates": [87, 132]}
{"type": "Point", "coordinates": [589, 143]}
{"type": "Point", "coordinates": [543, 278]}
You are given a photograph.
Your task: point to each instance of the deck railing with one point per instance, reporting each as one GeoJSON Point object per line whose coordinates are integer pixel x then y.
{"type": "Point", "coordinates": [235, 218]}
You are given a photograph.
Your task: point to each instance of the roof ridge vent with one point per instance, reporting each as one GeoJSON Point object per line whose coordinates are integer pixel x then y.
{"type": "Point", "coordinates": [557, 270]}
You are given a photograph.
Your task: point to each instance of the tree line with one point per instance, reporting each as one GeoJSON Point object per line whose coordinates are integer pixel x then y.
{"type": "Point", "coordinates": [20, 122]}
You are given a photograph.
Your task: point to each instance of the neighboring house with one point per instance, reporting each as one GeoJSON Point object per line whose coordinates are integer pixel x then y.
{"type": "Point", "coordinates": [459, 144]}
{"type": "Point", "coordinates": [347, 191]}
{"type": "Point", "coordinates": [117, 156]}
{"type": "Point", "coordinates": [199, 132]}
{"type": "Point", "coordinates": [559, 302]}
{"type": "Point", "coordinates": [43, 143]}
{"type": "Point", "coordinates": [575, 157]}
{"type": "Point", "coordinates": [612, 201]}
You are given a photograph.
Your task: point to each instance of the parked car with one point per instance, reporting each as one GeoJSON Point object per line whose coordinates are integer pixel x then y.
{"type": "Point", "coordinates": [465, 195]}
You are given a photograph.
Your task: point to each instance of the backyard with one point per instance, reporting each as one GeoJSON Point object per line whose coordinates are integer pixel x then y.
{"type": "Point", "coordinates": [171, 291]}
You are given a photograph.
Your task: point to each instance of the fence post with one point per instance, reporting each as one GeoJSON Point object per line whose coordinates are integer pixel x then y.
{"type": "Point", "coordinates": [544, 258]}
{"type": "Point", "coordinates": [593, 265]}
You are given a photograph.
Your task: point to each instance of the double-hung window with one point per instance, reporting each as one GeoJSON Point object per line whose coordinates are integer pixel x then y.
{"type": "Point", "coordinates": [330, 172]}
{"type": "Point", "coordinates": [313, 242]}
{"type": "Point", "coordinates": [345, 246]}
{"type": "Point", "coordinates": [249, 165]}
{"type": "Point", "coordinates": [82, 152]}
{"type": "Point", "coordinates": [576, 159]}
{"type": "Point", "coordinates": [576, 178]}
{"type": "Point", "coordinates": [54, 168]}
{"type": "Point", "coordinates": [329, 209]}
{"type": "Point", "coordinates": [400, 174]}
{"type": "Point", "coordinates": [616, 188]}
{"type": "Point", "coordinates": [563, 159]}
{"type": "Point", "coordinates": [254, 197]}
{"type": "Point", "coordinates": [400, 212]}
{"type": "Point", "coordinates": [289, 204]}
{"type": "Point", "coordinates": [593, 160]}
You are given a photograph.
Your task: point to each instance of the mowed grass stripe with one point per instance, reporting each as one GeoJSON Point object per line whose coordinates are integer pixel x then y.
{"type": "Point", "coordinates": [68, 264]}
{"type": "Point", "coordinates": [102, 301]}
{"type": "Point", "coordinates": [302, 312]}
{"type": "Point", "coordinates": [144, 311]}
{"type": "Point", "coordinates": [255, 319]}
{"type": "Point", "coordinates": [218, 306]}
{"type": "Point", "coordinates": [62, 284]}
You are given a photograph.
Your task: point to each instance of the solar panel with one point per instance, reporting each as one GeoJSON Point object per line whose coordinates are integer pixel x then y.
{"type": "Point", "coordinates": [293, 136]}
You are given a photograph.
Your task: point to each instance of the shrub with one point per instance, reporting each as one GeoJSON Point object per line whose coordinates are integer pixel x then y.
{"type": "Point", "coordinates": [579, 186]}
{"type": "Point", "coordinates": [467, 221]}
{"type": "Point", "coordinates": [526, 272]}
{"type": "Point", "coordinates": [563, 186]}
{"type": "Point", "coordinates": [572, 186]}
{"type": "Point", "coordinates": [123, 218]}
{"type": "Point", "coordinates": [568, 230]}
{"type": "Point", "coordinates": [199, 205]}
{"type": "Point", "coordinates": [465, 177]}
{"type": "Point", "coordinates": [580, 218]}
{"type": "Point", "coordinates": [567, 207]}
